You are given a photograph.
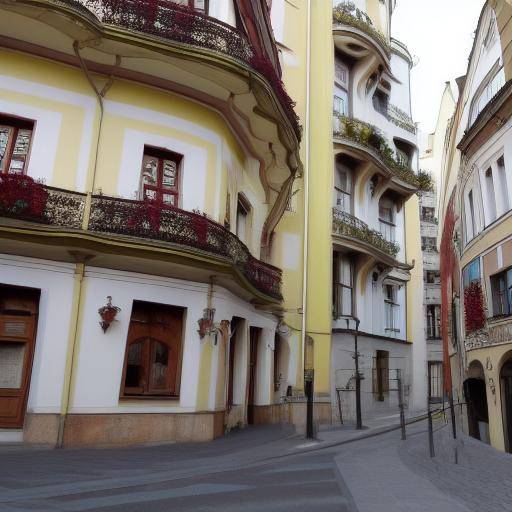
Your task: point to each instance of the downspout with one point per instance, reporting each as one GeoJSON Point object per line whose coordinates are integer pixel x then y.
{"type": "Point", "coordinates": [80, 265]}
{"type": "Point", "coordinates": [306, 191]}
{"type": "Point", "coordinates": [100, 95]}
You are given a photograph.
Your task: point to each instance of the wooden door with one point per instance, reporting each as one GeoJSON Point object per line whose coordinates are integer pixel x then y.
{"type": "Point", "coordinates": [17, 341]}
{"type": "Point", "coordinates": [253, 368]}
{"type": "Point", "coordinates": [506, 391]}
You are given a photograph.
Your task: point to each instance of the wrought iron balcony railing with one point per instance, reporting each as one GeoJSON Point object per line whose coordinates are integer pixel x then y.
{"type": "Point", "coordinates": [400, 118]}
{"type": "Point", "coordinates": [372, 140]}
{"type": "Point", "coordinates": [24, 199]}
{"type": "Point", "coordinates": [347, 225]}
{"type": "Point", "coordinates": [178, 23]}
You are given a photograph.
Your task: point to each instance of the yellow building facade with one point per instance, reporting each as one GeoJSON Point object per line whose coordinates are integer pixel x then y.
{"type": "Point", "coordinates": [166, 217]}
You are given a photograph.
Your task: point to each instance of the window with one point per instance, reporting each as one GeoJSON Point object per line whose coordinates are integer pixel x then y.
{"type": "Point", "coordinates": [503, 185]}
{"type": "Point", "coordinates": [428, 214]}
{"type": "Point", "coordinates": [341, 80]}
{"type": "Point", "coordinates": [428, 244]}
{"type": "Point", "coordinates": [487, 94]}
{"type": "Point", "coordinates": [471, 273]}
{"type": "Point", "coordinates": [243, 210]}
{"type": "Point", "coordinates": [501, 288]}
{"type": "Point", "coordinates": [198, 5]}
{"type": "Point", "coordinates": [470, 217]}
{"type": "Point", "coordinates": [391, 308]}
{"type": "Point", "coordinates": [153, 351]}
{"type": "Point", "coordinates": [387, 219]}
{"type": "Point", "coordinates": [343, 190]}
{"type": "Point", "coordinates": [435, 378]}
{"type": "Point", "coordinates": [491, 198]}
{"type": "Point", "coordinates": [343, 286]}
{"type": "Point", "coordinates": [433, 322]}
{"type": "Point", "coordinates": [15, 140]}
{"type": "Point", "coordinates": [380, 102]}
{"type": "Point", "coordinates": [432, 277]}
{"type": "Point", "coordinates": [160, 176]}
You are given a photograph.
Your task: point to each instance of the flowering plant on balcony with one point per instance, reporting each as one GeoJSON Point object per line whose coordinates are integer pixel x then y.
{"type": "Point", "coordinates": [184, 24]}
{"type": "Point", "coordinates": [474, 307]}
{"type": "Point", "coordinates": [370, 136]}
{"type": "Point", "coordinates": [426, 182]}
{"type": "Point", "coordinates": [346, 13]}
{"type": "Point", "coordinates": [22, 197]}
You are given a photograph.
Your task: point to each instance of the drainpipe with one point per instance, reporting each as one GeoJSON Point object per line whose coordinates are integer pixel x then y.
{"type": "Point", "coordinates": [80, 258]}
{"type": "Point", "coordinates": [100, 95]}
{"type": "Point", "coordinates": [70, 359]}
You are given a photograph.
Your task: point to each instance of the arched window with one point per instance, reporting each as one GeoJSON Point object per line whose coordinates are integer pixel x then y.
{"type": "Point", "coordinates": [153, 351]}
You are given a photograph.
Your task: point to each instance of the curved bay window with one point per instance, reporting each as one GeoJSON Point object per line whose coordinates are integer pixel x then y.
{"type": "Point", "coordinates": [160, 176]}
{"type": "Point", "coordinates": [15, 140]}
{"type": "Point", "coordinates": [153, 351]}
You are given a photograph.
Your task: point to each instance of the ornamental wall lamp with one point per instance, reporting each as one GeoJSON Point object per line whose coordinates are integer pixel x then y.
{"type": "Point", "coordinates": [108, 314]}
{"type": "Point", "coordinates": [207, 326]}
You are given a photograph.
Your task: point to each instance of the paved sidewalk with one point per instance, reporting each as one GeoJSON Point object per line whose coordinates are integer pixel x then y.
{"type": "Point", "coordinates": [385, 474]}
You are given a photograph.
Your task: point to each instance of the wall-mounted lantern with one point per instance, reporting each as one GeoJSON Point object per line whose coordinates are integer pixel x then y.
{"type": "Point", "coordinates": [108, 314]}
{"type": "Point", "coordinates": [207, 326]}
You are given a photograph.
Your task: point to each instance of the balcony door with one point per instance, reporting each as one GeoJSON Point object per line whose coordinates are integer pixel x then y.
{"type": "Point", "coordinates": [18, 320]}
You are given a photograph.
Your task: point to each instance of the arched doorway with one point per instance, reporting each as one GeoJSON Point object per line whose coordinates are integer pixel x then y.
{"type": "Point", "coordinates": [506, 402]}
{"type": "Point", "coordinates": [476, 399]}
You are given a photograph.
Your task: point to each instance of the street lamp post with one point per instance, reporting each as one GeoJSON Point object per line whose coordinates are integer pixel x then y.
{"type": "Point", "coordinates": [309, 375]}
{"type": "Point", "coordinates": [359, 421]}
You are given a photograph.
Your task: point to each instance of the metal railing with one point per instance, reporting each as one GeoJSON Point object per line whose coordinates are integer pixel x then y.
{"type": "Point", "coordinates": [347, 225]}
{"type": "Point", "coordinates": [372, 140]}
{"type": "Point", "coordinates": [24, 199]}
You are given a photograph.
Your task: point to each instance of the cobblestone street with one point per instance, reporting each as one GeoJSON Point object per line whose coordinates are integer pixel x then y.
{"type": "Point", "coordinates": [265, 469]}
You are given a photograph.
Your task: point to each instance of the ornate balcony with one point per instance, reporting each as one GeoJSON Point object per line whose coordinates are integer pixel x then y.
{"type": "Point", "coordinates": [401, 119]}
{"type": "Point", "coordinates": [355, 33]}
{"type": "Point", "coordinates": [170, 21]}
{"type": "Point", "coordinates": [24, 200]}
{"type": "Point", "coordinates": [347, 225]}
{"type": "Point", "coordinates": [368, 138]}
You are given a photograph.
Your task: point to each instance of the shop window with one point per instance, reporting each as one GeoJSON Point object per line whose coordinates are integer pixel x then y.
{"type": "Point", "coordinates": [15, 141]}
{"type": "Point", "coordinates": [153, 351]}
{"type": "Point", "coordinates": [160, 176]}
{"type": "Point", "coordinates": [501, 288]}
{"type": "Point", "coordinates": [433, 321]}
{"type": "Point", "coordinates": [343, 286]}
{"type": "Point", "coordinates": [391, 308]}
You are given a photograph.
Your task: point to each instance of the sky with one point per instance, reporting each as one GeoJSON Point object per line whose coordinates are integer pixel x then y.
{"type": "Point", "coordinates": [439, 35]}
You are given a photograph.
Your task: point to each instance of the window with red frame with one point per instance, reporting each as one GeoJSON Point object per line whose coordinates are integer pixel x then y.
{"type": "Point", "coordinates": [160, 176]}
{"type": "Point", "coordinates": [198, 5]}
{"type": "Point", "coordinates": [15, 140]}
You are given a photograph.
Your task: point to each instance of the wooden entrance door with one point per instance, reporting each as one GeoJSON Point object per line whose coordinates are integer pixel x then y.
{"type": "Point", "coordinates": [506, 398]}
{"type": "Point", "coordinates": [18, 315]}
{"type": "Point", "coordinates": [253, 368]}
